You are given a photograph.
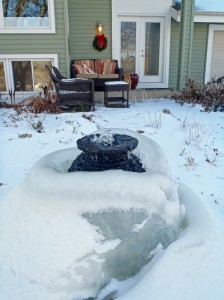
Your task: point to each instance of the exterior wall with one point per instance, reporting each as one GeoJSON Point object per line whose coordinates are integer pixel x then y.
{"type": "Point", "coordinates": [83, 16]}
{"type": "Point", "coordinates": [40, 43]}
{"type": "Point", "coordinates": [198, 54]}
{"type": "Point", "coordinates": [174, 54]}
{"type": "Point", "coordinates": [199, 50]}
{"type": "Point", "coordinates": [186, 37]}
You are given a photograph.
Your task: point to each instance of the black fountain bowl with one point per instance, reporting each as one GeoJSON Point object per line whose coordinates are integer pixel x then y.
{"type": "Point", "coordinates": [107, 152]}
{"type": "Point", "coordinates": [91, 144]}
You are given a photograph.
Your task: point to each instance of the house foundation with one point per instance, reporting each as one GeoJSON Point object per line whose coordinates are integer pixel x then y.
{"type": "Point", "coordinates": [140, 94]}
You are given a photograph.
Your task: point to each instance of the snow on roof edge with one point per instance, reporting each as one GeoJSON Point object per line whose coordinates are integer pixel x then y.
{"type": "Point", "coordinates": [214, 6]}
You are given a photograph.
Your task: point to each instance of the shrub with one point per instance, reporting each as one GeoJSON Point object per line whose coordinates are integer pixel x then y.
{"type": "Point", "coordinates": [210, 95]}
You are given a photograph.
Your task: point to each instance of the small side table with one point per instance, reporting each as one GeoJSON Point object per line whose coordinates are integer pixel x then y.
{"type": "Point", "coordinates": [116, 86]}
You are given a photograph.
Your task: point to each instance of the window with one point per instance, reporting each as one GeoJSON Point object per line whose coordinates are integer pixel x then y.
{"type": "Point", "coordinates": [152, 48]}
{"type": "Point", "coordinates": [25, 74]}
{"type": "Point", "coordinates": [2, 77]}
{"type": "Point", "coordinates": [30, 15]}
{"type": "Point", "coordinates": [128, 46]}
{"type": "Point", "coordinates": [30, 75]}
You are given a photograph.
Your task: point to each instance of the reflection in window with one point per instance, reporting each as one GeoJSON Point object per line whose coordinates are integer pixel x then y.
{"type": "Point", "coordinates": [25, 13]}
{"type": "Point", "coordinates": [2, 78]}
{"type": "Point", "coordinates": [41, 76]}
{"type": "Point", "coordinates": [30, 76]}
{"type": "Point", "coordinates": [152, 44]}
{"type": "Point", "coordinates": [22, 75]}
{"type": "Point", "coordinates": [128, 46]}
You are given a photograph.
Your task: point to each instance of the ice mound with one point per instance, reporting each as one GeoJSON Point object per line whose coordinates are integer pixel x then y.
{"type": "Point", "coordinates": [71, 233]}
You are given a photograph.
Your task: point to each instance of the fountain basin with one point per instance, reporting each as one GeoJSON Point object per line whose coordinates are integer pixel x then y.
{"type": "Point", "coordinates": [86, 228]}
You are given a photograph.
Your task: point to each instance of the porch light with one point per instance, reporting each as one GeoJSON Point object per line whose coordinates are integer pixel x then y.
{"type": "Point", "coordinates": [99, 27]}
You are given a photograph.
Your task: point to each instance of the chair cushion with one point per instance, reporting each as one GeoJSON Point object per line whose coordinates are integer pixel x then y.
{"type": "Point", "coordinates": [108, 67]}
{"type": "Point", "coordinates": [73, 79]}
{"type": "Point", "coordinates": [108, 76]}
{"type": "Point", "coordinates": [65, 92]}
{"type": "Point", "coordinates": [78, 68]}
{"type": "Point", "coordinates": [88, 62]}
{"type": "Point", "coordinates": [105, 66]}
{"type": "Point", "coordinates": [87, 70]}
{"type": "Point", "coordinates": [99, 66]}
{"type": "Point", "coordinates": [85, 75]}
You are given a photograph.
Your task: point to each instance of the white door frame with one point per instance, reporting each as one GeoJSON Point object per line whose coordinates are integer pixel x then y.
{"type": "Point", "coordinates": [165, 47]}
{"type": "Point", "coordinates": [212, 29]}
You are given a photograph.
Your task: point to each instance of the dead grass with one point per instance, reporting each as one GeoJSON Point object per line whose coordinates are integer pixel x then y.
{"type": "Point", "coordinates": [36, 104]}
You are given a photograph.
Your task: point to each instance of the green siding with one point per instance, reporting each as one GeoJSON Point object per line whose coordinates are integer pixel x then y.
{"type": "Point", "coordinates": [199, 50]}
{"type": "Point", "coordinates": [198, 53]}
{"type": "Point", "coordinates": [186, 39]}
{"type": "Point", "coordinates": [83, 16]}
{"type": "Point", "coordinates": [40, 43]}
{"type": "Point", "coordinates": [174, 54]}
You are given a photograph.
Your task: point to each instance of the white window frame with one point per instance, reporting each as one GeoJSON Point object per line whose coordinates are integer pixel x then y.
{"type": "Point", "coordinates": [7, 59]}
{"type": "Point", "coordinates": [212, 29]}
{"type": "Point", "coordinates": [22, 30]}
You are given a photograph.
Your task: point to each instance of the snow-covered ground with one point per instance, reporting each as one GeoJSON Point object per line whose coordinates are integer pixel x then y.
{"type": "Point", "coordinates": [192, 267]}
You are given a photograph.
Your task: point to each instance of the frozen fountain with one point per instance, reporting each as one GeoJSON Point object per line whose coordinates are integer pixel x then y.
{"type": "Point", "coordinates": [107, 151]}
{"type": "Point", "coordinates": [102, 220]}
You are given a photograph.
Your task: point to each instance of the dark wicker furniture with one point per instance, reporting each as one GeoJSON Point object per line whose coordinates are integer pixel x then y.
{"type": "Point", "coordinates": [57, 73]}
{"type": "Point", "coordinates": [73, 92]}
{"type": "Point", "coordinates": [116, 86]}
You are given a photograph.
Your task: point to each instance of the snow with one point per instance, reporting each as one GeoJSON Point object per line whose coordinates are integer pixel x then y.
{"type": "Point", "coordinates": [41, 257]}
{"type": "Point", "coordinates": [115, 82]}
{"type": "Point", "coordinates": [209, 5]}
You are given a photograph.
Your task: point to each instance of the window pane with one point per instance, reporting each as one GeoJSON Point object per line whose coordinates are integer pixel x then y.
{"type": "Point", "coordinates": [2, 78]}
{"type": "Point", "coordinates": [41, 76]}
{"type": "Point", "coordinates": [128, 46]}
{"type": "Point", "coordinates": [20, 13]}
{"type": "Point", "coordinates": [22, 75]}
{"type": "Point", "coordinates": [152, 44]}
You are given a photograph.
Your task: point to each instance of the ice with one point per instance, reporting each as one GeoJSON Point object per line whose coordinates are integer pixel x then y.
{"type": "Point", "coordinates": [105, 138]}
{"type": "Point", "coordinates": [78, 231]}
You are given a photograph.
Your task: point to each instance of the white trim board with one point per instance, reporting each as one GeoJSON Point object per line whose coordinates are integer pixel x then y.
{"type": "Point", "coordinates": [200, 17]}
{"type": "Point", "coordinates": [212, 29]}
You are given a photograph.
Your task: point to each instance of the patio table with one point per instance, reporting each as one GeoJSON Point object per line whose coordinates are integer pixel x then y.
{"type": "Point", "coordinates": [116, 86]}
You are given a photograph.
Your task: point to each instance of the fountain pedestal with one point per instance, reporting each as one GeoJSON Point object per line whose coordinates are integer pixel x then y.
{"type": "Point", "coordinates": [107, 151]}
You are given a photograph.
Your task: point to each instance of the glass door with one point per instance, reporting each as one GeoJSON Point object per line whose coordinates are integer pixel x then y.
{"type": "Point", "coordinates": [128, 46]}
{"type": "Point", "coordinates": [141, 50]}
{"type": "Point", "coordinates": [150, 53]}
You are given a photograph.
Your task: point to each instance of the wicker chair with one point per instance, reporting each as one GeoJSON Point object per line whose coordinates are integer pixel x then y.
{"type": "Point", "coordinates": [73, 92]}
{"type": "Point", "coordinates": [57, 73]}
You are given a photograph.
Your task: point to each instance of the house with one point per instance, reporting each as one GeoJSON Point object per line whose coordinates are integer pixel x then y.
{"type": "Point", "coordinates": [163, 41]}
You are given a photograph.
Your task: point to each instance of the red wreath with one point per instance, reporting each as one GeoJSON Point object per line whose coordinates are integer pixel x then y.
{"type": "Point", "coordinates": [100, 42]}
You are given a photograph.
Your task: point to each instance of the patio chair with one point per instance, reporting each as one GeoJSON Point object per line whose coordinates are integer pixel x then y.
{"type": "Point", "coordinates": [73, 92]}
{"type": "Point", "coordinates": [57, 73]}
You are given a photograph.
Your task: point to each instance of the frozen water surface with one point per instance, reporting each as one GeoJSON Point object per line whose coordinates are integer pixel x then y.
{"type": "Point", "coordinates": [80, 230]}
